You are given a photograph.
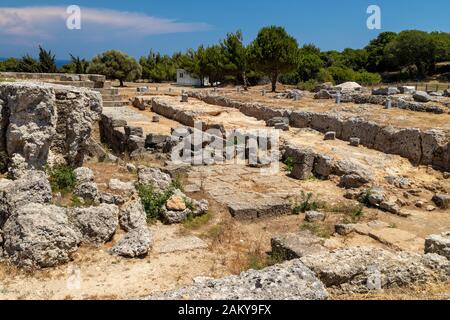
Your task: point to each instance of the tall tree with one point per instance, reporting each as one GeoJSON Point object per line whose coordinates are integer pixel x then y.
{"type": "Point", "coordinates": [377, 57]}
{"type": "Point", "coordinates": [47, 61]}
{"type": "Point", "coordinates": [274, 52]}
{"type": "Point", "coordinates": [236, 58]}
{"type": "Point", "coordinates": [413, 48]}
{"type": "Point", "coordinates": [116, 65]}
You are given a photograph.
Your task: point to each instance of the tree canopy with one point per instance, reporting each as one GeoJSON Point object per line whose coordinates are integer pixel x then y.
{"type": "Point", "coordinates": [116, 65]}
{"type": "Point", "coordinates": [274, 52]}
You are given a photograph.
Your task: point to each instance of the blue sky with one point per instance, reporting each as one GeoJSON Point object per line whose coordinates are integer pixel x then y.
{"type": "Point", "coordinates": [173, 25]}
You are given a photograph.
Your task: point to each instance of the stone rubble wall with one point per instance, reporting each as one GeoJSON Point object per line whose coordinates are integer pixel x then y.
{"type": "Point", "coordinates": [122, 138]}
{"type": "Point", "coordinates": [53, 76]}
{"type": "Point", "coordinates": [429, 147]}
{"type": "Point", "coordinates": [39, 121]}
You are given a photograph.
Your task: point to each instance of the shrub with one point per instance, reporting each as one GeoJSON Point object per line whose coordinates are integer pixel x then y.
{"type": "Point", "coordinates": [62, 178]}
{"type": "Point", "coordinates": [289, 162]}
{"type": "Point", "coordinates": [367, 78]}
{"type": "Point", "coordinates": [307, 203]}
{"type": "Point", "coordinates": [307, 85]}
{"type": "Point", "coordinates": [195, 223]}
{"type": "Point", "coordinates": [153, 201]}
{"type": "Point", "coordinates": [324, 76]}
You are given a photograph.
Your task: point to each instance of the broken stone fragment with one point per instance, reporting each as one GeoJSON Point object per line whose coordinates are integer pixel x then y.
{"type": "Point", "coordinates": [353, 180]}
{"type": "Point", "coordinates": [176, 203]}
{"type": "Point", "coordinates": [331, 135]}
{"type": "Point", "coordinates": [39, 235]}
{"type": "Point", "coordinates": [296, 245]}
{"type": "Point", "coordinates": [87, 191]}
{"type": "Point", "coordinates": [421, 96]}
{"type": "Point", "coordinates": [135, 244]}
{"type": "Point", "coordinates": [117, 185]}
{"type": "Point", "coordinates": [344, 229]}
{"type": "Point", "coordinates": [32, 187]}
{"type": "Point", "coordinates": [442, 201]}
{"type": "Point", "coordinates": [96, 225]}
{"type": "Point", "coordinates": [355, 142]}
{"type": "Point", "coordinates": [314, 216]}
{"type": "Point", "coordinates": [132, 215]}
{"type": "Point", "coordinates": [439, 244]}
{"type": "Point", "coordinates": [84, 174]}
{"type": "Point", "coordinates": [154, 177]}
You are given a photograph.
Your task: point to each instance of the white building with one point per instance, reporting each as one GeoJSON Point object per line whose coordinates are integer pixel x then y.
{"type": "Point", "coordinates": [185, 79]}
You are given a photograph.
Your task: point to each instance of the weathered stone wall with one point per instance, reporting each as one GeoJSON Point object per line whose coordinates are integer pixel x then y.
{"type": "Point", "coordinates": [430, 147]}
{"type": "Point", "coordinates": [53, 76]}
{"type": "Point", "coordinates": [42, 119]}
{"type": "Point", "coordinates": [163, 108]}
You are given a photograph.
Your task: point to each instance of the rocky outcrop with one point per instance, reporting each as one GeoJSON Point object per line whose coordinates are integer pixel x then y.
{"type": "Point", "coordinates": [288, 281]}
{"type": "Point", "coordinates": [135, 244]}
{"type": "Point", "coordinates": [132, 215]}
{"type": "Point", "coordinates": [33, 186]}
{"type": "Point", "coordinates": [96, 225]}
{"type": "Point", "coordinates": [44, 122]}
{"type": "Point", "coordinates": [363, 269]}
{"type": "Point", "coordinates": [154, 177]}
{"type": "Point", "coordinates": [439, 244]}
{"type": "Point", "coordinates": [39, 235]}
{"type": "Point", "coordinates": [296, 245]}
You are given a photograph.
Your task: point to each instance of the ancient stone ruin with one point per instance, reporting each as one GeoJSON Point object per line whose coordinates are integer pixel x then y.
{"type": "Point", "coordinates": [294, 195]}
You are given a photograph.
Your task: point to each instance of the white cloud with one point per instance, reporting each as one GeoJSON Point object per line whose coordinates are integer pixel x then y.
{"type": "Point", "coordinates": [40, 23]}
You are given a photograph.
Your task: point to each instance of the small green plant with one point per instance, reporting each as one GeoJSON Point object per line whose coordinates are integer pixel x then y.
{"type": "Point", "coordinates": [153, 200]}
{"type": "Point", "coordinates": [320, 230]}
{"type": "Point", "coordinates": [307, 203]}
{"type": "Point", "coordinates": [365, 198]}
{"type": "Point", "coordinates": [189, 204]}
{"type": "Point", "coordinates": [77, 202]}
{"type": "Point", "coordinates": [176, 183]}
{"type": "Point", "coordinates": [193, 223]}
{"type": "Point", "coordinates": [355, 214]}
{"type": "Point", "coordinates": [289, 162]}
{"type": "Point", "coordinates": [62, 178]}
{"type": "Point", "coordinates": [257, 260]}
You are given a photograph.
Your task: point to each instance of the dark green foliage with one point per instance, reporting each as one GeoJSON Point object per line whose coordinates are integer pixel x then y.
{"type": "Point", "coordinates": [307, 203]}
{"type": "Point", "coordinates": [76, 65]}
{"type": "Point", "coordinates": [62, 178]}
{"type": "Point", "coordinates": [153, 200]}
{"type": "Point", "coordinates": [28, 64]}
{"type": "Point", "coordinates": [47, 62]}
{"type": "Point", "coordinates": [413, 48]}
{"type": "Point", "coordinates": [235, 56]}
{"type": "Point", "coordinates": [274, 52]}
{"type": "Point", "coordinates": [159, 68]}
{"type": "Point", "coordinates": [9, 65]}
{"type": "Point", "coordinates": [289, 162]}
{"type": "Point", "coordinates": [116, 65]}
{"type": "Point", "coordinates": [378, 60]}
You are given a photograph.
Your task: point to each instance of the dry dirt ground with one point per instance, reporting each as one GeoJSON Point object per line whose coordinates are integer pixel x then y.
{"type": "Point", "coordinates": [233, 245]}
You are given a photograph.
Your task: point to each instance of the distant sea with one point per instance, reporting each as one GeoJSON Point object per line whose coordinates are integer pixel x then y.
{"type": "Point", "coordinates": [59, 63]}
